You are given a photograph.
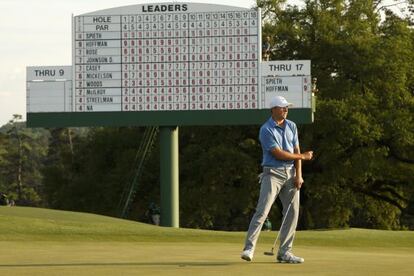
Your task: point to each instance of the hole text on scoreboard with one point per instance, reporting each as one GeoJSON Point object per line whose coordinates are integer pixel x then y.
{"type": "Point", "coordinates": [139, 60]}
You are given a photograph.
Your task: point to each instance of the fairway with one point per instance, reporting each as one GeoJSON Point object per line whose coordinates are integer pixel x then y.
{"type": "Point", "coordinates": [47, 242]}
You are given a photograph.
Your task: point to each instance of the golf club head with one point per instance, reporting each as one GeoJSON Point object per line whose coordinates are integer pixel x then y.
{"type": "Point", "coordinates": [269, 253]}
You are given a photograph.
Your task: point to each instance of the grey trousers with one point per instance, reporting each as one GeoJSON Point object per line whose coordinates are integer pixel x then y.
{"type": "Point", "coordinates": [276, 182]}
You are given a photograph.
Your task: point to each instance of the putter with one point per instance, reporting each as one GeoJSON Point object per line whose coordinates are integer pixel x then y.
{"type": "Point", "coordinates": [271, 253]}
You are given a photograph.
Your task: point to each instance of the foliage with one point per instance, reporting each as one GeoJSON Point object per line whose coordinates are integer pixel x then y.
{"type": "Point", "coordinates": [22, 152]}
{"type": "Point", "coordinates": [218, 176]}
{"type": "Point", "coordinates": [90, 178]}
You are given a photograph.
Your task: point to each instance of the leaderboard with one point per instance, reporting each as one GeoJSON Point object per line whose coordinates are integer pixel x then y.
{"type": "Point", "coordinates": [167, 57]}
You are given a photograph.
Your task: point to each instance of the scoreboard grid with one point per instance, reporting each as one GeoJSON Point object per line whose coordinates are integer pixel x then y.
{"type": "Point", "coordinates": [167, 62]}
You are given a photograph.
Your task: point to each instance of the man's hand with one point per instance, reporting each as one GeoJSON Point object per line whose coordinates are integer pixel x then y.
{"type": "Point", "coordinates": [298, 182]}
{"type": "Point", "coordinates": [308, 155]}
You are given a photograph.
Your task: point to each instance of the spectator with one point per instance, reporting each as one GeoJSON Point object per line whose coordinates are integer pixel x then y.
{"type": "Point", "coordinates": [153, 213]}
{"type": "Point", "coordinates": [267, 225]}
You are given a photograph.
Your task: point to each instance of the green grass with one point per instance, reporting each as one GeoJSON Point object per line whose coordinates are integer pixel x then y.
{"type": "Point", "coordinates": [36, 241]}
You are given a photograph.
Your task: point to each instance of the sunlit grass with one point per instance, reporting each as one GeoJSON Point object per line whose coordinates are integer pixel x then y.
{"type": "Point", "coordinates": [36, 241]}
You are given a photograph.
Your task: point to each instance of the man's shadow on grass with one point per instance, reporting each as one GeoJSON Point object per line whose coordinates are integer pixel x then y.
{"type": "Point", "coordinates": [177, 264]}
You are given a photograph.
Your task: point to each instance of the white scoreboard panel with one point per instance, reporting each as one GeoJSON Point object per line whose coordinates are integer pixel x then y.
{"type": "Point", "coordinates": [49, 89]}
{"type": "Point", "coordinates": [296, 90]}
{"type": "Point", "coordinates": [167, 57]}
{"type": "Point", "coordinates": [288, 78]}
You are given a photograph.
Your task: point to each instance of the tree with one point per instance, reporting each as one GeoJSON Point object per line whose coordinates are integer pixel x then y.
{"type": "Point", "coordinates": [21, 155]}
{"type": "Point", "coordinates": [90, 174]}
{"type": "Point", "coordinates": [58, 171]}
{"type": "Point", "coordinates": [218, 176]}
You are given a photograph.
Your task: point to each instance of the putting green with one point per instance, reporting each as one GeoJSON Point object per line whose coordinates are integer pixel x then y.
{"type": "Point", "coordinates": [48, 242]}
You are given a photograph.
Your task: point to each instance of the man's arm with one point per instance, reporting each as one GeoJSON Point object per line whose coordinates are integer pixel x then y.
{"type": "Point", "coordinates": [280, 154]}
{"type": "Point", "coordinates": [298, 157]}
{"type": "Point", "coordinates": [298, 168]}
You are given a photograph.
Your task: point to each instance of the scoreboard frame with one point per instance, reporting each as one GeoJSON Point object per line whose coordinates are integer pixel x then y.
{"type": "Point", "coordinates": [162, 118]}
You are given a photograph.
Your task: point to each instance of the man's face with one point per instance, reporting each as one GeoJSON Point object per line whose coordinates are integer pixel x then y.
{"type": "Point", "coordinates": [280, 113]}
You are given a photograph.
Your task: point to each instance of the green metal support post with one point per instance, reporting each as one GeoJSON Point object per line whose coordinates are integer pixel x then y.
{"type": "Point", "coordinates": [169, 176]}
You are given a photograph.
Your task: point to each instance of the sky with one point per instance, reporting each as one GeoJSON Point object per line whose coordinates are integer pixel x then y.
{"type": "Point", "coordinates": [38, 33]}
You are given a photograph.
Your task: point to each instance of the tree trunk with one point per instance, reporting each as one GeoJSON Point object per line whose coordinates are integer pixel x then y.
{"type": "Point", "coordinates": [19, 171]}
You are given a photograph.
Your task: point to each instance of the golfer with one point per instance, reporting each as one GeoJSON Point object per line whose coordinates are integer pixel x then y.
{"type": "Point", "coordinates": [282, 176]}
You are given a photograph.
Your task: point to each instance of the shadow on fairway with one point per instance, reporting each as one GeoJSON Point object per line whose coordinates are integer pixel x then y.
{"type": "Point", "coordinates": [179, 264]}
